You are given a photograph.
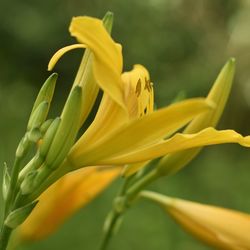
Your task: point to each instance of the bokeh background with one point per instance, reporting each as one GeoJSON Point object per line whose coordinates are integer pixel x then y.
{"type": "Point", "coordinates": [183, 43]}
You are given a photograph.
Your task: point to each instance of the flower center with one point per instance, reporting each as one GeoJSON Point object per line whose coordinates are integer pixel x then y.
{"type": "Point", "coordinates": [139, 92]}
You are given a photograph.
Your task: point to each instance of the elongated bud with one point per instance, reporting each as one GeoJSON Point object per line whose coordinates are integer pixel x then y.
{"type": "Point", "coordinates": [18, 216]}
{"type": "Point", "coordinates": [6, 181]}
{"type": "Point", "coordinates": [22, 147]}
{"type": "Point", "coordinates": [44, 127]}
{"type": "Point", "coordinates": [218, 227]}
{"type": "Point", "coordinates": [28, 184]}
{"type": "Point", "coordinates": [34, 135]}
{"type": "Point", "coordinates": [39, 158]}
{"type": "Point", "coordinates": [108, 20]}
{"type": "Point", "coordinates": [57, 142]}
{"type": "Point", "coordinates": [33, 164]}
{"type": "Point", "coordinates": [219, 95]}
{"type": "Point", "coordinates": [67, 130]}
{"type": "Point", "coordinates": [46, 92]}
{"type": "Point", "coordinates": [48, 137]}
{"type": "Point", "coordinates": [38, 116]}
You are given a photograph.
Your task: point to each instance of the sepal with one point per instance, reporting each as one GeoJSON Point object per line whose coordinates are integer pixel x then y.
{"type": "Point", "coordinates": [6, 181]}
{"type": "Point", "coordinates": [18, 216]}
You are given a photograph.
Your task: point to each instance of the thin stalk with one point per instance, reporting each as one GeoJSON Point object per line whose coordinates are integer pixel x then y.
{"type": "Point", "coordinates": [108, 235]}
{"type": "Point", "coordinates": [129, 194]}
{"type": "Point", "coordinates": [5, 236]}
{"type": "Point", "coordinates": [135, 189]}
{"type": "Point", "coordinates": [12, 187]}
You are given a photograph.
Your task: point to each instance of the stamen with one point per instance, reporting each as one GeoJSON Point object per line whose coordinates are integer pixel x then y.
{"type": "Point", "coordinates": [138, 88]}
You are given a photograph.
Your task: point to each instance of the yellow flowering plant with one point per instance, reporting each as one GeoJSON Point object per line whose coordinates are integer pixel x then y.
{"type": "Point", "coordinates": [127, 138]}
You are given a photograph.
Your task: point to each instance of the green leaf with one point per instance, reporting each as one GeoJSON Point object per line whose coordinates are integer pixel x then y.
{"type": "Point", "coordinates": [18, 216]}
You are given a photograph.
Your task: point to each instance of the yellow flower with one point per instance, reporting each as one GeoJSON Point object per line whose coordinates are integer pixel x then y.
{"type": "Point", "coordinates": [117, 129]}
{"type": "Point", "coordinates": [125, 130]}
{"type": "Point", "coordinates": [219, 227]}
{"type": "Point", "coordinates": [76, 189]}
{"type": "Point", "coordinates": [134, 140]}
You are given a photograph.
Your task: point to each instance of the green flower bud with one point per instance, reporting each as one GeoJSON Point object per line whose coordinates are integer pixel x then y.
{"type": "Point", "coordinates": [48, 137]}
{"type": "Point", "coordinates": [108, 20]}
{"type": "Point", "coordinates": [67, 130]}
{"type": "Point", "coordinates": [46, 92]}
{"type": "Point", "coordinates": [18, 216]}
{"type": "Point", "coordinates": [6, 181]}
{"type": "Point", "coordinates": [38, 116]}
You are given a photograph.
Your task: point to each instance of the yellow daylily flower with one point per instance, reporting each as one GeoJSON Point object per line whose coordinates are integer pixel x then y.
{"type": "Point", "coordinates": [64, 198]}
{"type": "Point", "coordinates": [218, 227]}
{"type": "Point", "coordinates": [124, 141]}
{"type": "Point", "coordinates": [110, 120]}
{"type": "Point", "coordinates": [76, 189]}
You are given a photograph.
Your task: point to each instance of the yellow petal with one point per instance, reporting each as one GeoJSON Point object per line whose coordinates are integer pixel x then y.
{"type": "Point", "coordinates": [107, 61]}
{"type": "Point", "coordinates": [130, 169]}
{"type": "Point", "coordinates": [178, 142]}
{"type": "Point", "coordinates": [218, 227]}
{"type": "Point", "coordinates": [63, 198]}
{"type": "Point", "coordinates": [110, 116]}
{"type": "Point", "coordinates": [140, 132]}
{"type": "Point", "coordinates": [54, 59]}
{"type": "Point", "coordinates": [219, 95]}
{"type": "Point", "coordinates": [84, 78]}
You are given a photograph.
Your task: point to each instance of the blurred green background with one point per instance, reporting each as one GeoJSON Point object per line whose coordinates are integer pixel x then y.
{"type": "Point", "coordinates": [183, 43]}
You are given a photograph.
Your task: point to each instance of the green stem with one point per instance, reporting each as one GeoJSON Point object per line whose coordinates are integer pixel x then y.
{"type": "Point", "coordinates": [134, 190]}
{"type": "Point", "coordinates": [128, 195]}
{"type": "Point", "coordinates": [5, 236]}
{"type": "Point", "coordinates": [12, 187]}
{"type": "Point", "coordinates": [108, 234]}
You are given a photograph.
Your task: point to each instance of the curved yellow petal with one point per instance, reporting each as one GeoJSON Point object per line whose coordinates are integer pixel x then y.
{"type": "Point", "coordinates": [63, 198]}
{"type": "Point", "coordinates": [110, 116]}
{"type": "Point", "coordinates": [218, 227]}
{"type": "Point", "coordinates": [84, 78]}
{"type": "Point", "coordinates": [178, 142]}
{"type": "Point", "coordinates": [55, 58]}
{"type": "Point", "coordinates": [140, 132]}
{"type": "Point", "coordinates": [107, 63]}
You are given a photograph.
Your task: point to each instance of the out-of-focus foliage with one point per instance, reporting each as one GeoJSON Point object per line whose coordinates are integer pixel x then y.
{"type": "Point", "coordinates": [183, 44]}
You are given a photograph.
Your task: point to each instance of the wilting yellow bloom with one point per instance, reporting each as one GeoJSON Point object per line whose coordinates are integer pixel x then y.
{"type": "Point", "coordinates": [219, 227]}
{"type": "Point", "coordinates": [63, 198]}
